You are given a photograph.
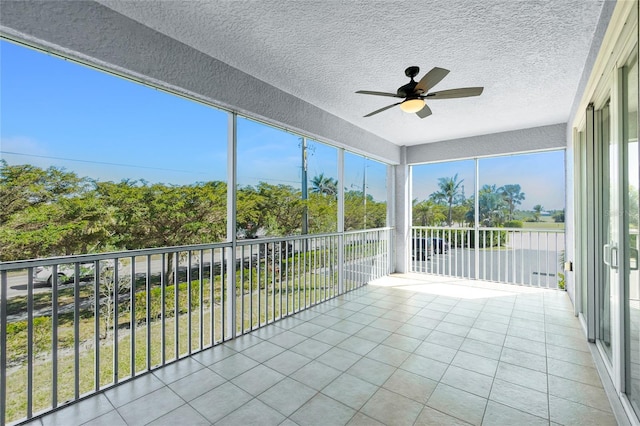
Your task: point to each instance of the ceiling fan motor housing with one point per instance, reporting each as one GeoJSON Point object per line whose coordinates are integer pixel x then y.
{"type": "Point", "coordinates": [408, 89]}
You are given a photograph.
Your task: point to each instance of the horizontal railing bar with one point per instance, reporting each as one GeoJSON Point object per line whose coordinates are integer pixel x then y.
{"type": "Point", "coordinates": [482, 228]}
{"type": "Point", "coordinates": [86, 258]}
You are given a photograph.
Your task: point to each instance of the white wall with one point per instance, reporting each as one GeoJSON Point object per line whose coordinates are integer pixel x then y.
{"type": "Point", "coordinates": [517, 141]}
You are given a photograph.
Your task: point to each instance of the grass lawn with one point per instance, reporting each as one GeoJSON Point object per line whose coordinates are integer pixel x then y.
{"type": "Point", "coordinates": [544, 225]}
{"type": "Point", "coordinates": [258, 305]}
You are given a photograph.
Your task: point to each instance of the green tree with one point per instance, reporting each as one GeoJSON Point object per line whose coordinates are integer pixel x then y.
{"type": "Point", "coordinates": [428, 213]}
{"type": "Point", "coordinates": [359, 214]}
{"type": "Point", "coordinates": [24, 185]}
{"type": "Point", "coordinates": [275, 209]}
{"type": "Point", "coordinates": [162, 215]}
{"type": "Point", "coordinates": [322, 184]}
{"type": "Point", "coordinates": [70, 226]}
{"type": "Point", "coordinates": [376, 213]}
{"type": "Point", "coordinates": [558, 216]}
{"type": "Point", "coordinates": [322, 213]}
{"type": "Point", "coordinates": [354, 210]}
{"type": "Point", "coordinates": [49, 212]}
{"type": "Point", "coordinates": [491, 207]}
{"type": "Point", "coordinates": [249, 218]}
{"type": "Point", "coordinates": [513, 196]}
{"type": "Point", "coordinates": [282, 207]}
{"type": "Point", "coordinates": [537, 211]}
{"type": "Point", "coordinates": [459, 214]}
{"type": "Point", "coordinates": [449, 193]}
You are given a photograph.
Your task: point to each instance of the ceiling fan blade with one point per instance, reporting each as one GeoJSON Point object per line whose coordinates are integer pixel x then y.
{"type": "Point", "coordinates": [430, 79]}
{"type": "Point", "coordinates": [369, 92]}
{"type": "Point", "coordinates": [382, 109]}
{"type": "Point", "coordinates": [456, 93]}
{"type": "Point", "coordinates": [424, 112]}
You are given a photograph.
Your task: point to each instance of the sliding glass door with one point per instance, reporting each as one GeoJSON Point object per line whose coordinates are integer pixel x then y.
{"type": "Point", "coordinates": [607, 236]}
{"type": "Point", "coordinates": [630, 184]}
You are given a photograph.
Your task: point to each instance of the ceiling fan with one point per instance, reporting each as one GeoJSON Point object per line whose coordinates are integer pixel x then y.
{"type": "Point", "coordinates": [415, 93]}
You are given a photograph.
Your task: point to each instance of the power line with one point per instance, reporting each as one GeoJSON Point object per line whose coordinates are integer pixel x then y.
{"type": "Point", "coordinates": [106, 163]}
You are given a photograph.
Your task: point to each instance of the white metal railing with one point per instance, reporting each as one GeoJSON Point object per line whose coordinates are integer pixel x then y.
{"type": "Point", "coordinates": [530, 257]}
{"type": "Point", "coordinates": [76, 325]}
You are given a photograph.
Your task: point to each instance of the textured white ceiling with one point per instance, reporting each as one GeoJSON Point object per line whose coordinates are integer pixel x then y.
{"type": "Point", "coordinates": [529, 55]}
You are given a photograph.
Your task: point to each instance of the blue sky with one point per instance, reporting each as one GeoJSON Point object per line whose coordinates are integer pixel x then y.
{"type": "Point", "coordinates": [56, 112]}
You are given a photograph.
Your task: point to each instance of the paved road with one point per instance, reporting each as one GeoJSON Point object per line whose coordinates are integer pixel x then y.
{"type": "Point", "coordinates": [17, 280]}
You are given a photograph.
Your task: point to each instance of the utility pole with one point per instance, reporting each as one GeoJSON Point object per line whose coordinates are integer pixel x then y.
{"type": "Point", "coordinates": [364, 191]}
{"type": "Point", "coordinates": [305, 195]}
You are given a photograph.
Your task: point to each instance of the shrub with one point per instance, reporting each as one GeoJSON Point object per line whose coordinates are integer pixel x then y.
{"type": "Point", "coordinates": [513, 224]}
{"type": "Point", "coordinates": [561, 281]}
{"type": "Point", "coordinates": [466, 238]}
{"type": "Point", "coordinates": [155, 308]}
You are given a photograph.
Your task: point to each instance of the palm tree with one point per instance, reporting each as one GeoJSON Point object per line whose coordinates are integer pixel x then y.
{"type": "Point", "coordinates": [537, 211]}
{"type": "Point", "coordinates": [322, 184]}
{"type": "Point", "coordinates": [513, 196]}
{"type": "Point", "coordinates": [427, 213]}
{"type": "Point", "coordinates": [491, 206]}
{"type": "Point", "coordinates": [450, 193]}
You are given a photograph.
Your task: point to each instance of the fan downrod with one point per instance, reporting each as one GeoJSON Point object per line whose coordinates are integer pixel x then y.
{"type": "Point", "coordinates": [412, 72]}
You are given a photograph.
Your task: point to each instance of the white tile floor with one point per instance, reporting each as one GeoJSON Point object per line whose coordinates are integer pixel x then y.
{"type": "Point", "coordinates": [404, 350]}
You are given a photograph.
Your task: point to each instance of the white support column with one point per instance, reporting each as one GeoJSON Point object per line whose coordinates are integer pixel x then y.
{"type": "Point", "coordinates": [391, 214]}
{"type": "Point", "coordinates": [476, 222]}
{"type": "Point", "coordinates": [402, 205]}
{"type": "Point", "coordinates": [340, 227]}
{"type": "Point", "coordinates": [230, 302]}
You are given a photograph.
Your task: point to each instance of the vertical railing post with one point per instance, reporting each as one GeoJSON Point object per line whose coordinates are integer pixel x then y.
{"type": "Point", "coordinates": [96, 327]}
{"type": "Point", "coordinates": [212, 294]}
{"type": "Point", "coordinates": [3, 346]}
{"type": "Point", "coordinates": [201, 299]}
{"type": "Point", "coordinates": [76, 329]}
{"type": "Point", "coordinates": [476, 221]}
{"type": "Point", "coordinates": [189, 307]}
{"type": "Point", "coordinates": [340, 227]}
{"type": "Point", "coordinates": [54, 342]}
{"type": "Point", "coordinates": [164, 280]}
{"type": "Point", "coordinates": [391, 237]}
{"type": "Point", "coordinates": [176, 304]}
{"type": "Point", "coordinates": [132, 317]}
{"type": "Point", "coordinates": [116, 307]}
{"type": "Point", "coordinates": [232, 177]}
{"type": "Point", "coordinates": [147, 286]}
{"type": "Point", "coordinates": [30, 340]}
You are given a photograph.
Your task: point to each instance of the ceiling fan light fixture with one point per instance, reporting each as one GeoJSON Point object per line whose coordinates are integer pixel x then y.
{"type": "Point", "coordinates": [412, 105]}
